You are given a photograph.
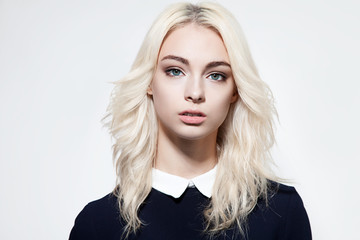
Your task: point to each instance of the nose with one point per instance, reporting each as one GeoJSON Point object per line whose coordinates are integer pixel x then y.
{"type": "Point", "coordinates": [194, 91]}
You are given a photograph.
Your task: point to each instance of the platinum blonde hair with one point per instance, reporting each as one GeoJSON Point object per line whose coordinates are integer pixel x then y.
{"type": "Point", "coordinates": [244, 139]}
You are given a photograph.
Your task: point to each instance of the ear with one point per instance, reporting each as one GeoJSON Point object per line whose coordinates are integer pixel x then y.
{"type": "Point", "coordinates": [234, 97]}
{"type": "Point", "coordinates": [149, 90]}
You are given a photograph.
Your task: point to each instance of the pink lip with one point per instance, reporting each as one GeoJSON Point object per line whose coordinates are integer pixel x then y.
{"type": "Point", "coordinates": [192, 117]}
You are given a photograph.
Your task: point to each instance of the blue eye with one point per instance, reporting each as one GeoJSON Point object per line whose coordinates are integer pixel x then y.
{"type": "Point", "coordinates": [174, 72]}
{"type": "Point", "coordinates": [217, 77]}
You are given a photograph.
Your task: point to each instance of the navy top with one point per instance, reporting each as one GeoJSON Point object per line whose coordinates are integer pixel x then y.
{"type": "Point", "coordinates": [168, 218]}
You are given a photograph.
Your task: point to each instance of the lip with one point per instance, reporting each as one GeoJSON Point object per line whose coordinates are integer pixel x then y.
{"type": "Point", "coordinates": [192, 117]}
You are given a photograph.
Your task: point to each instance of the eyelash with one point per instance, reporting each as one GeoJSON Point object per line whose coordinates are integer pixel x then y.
{"type": "Point", "coordinates": [222, 76]}
{"type": "Point", "coordinates": [170, 72]}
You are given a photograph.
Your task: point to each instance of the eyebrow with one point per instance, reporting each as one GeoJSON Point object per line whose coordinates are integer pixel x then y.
{"type": "Point", "coordinates": [176, 58]}
{"type": "Point", "coordinates": [186, 62]}
{"type": "Point", "coordinates": [217, 63]}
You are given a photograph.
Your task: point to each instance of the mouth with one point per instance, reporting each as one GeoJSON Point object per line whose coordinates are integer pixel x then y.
{"type": "Point", "coordinates": [192, 113]}
{"type": "Point", "coordinates": [190, 117]}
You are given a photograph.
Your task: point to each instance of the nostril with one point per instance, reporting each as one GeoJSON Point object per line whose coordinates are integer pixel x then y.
{"type": "Point", "coordinates": [194, 99]}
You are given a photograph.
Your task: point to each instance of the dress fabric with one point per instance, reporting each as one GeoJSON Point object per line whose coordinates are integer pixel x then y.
{"type": "Point", "coordinates": [169, 218]}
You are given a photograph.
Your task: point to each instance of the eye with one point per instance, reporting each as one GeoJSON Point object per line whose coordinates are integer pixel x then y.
{"type": "Point", "coordinates": [217, 77]}
{"type": "Point", "coordinates": [174, 72]}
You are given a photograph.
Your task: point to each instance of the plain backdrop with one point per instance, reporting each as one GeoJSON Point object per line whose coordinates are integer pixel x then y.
{"type": "Point", "coordinates": [58, 59]}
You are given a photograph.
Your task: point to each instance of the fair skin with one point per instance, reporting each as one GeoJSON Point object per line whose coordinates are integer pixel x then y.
{"type": "Point", "coordinates": [192, 90]}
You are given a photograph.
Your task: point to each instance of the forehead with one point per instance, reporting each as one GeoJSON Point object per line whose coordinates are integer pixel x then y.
{"type": "Point", "coordinates": [195, 43]}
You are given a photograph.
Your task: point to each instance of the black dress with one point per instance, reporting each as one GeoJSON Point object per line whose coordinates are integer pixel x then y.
{"type": "Point", "coordinates": [168, 218]}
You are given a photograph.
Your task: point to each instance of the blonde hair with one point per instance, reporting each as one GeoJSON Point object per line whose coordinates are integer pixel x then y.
{"type": "Point", "coordinates": [244, 139]}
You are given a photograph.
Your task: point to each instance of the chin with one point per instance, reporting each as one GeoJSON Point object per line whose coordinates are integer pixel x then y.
{"type": "Point", "coordinates": [192, 137]}
{"type": "Point", "coordinates": [195, 134]}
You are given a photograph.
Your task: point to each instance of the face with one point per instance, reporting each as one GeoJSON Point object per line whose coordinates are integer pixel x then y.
{"type": "Point", "coordinates": [193, 86]}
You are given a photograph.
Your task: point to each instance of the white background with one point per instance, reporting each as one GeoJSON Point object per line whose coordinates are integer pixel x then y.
{"type": "Point", "coordinates": [57, 59]}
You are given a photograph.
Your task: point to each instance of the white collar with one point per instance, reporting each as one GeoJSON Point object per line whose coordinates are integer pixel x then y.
{"type": "Point", "coordinates": [175, 186]}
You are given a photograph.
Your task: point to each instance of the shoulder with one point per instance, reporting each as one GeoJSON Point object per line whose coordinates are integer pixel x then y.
{"type": "Point", "coordinates": [281, 192]}
{"type": "Point", "coordinates": [96, 219]}
{"type": "Point", "coordinates": [284, 197]}
{"type": "Point", "coordinates": [103, 206]}
{"type": "Point", "coordinates": [101, 209]}
{"type": "Point", "coordinates": [281, 199]}
{"type": "Point", "coordinates": [286, 207]}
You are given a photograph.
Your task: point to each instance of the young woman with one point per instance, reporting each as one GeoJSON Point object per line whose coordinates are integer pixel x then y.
{"type": "Point", "coordinates": [193, 125]}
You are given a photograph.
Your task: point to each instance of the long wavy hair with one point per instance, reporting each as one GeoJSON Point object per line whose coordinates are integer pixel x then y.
{"type": "Point", "coordinates": [243, 141]}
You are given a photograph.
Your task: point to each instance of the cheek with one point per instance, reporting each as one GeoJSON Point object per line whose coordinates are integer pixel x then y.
{"type": "Point", "coordinates": [163, 97]}
{"type": "Point", "coordinates": [223, 109]}
{"type": "Point", "coordinates": [160, 90]}
{"type": "Point", "coordinates": [221, 105]}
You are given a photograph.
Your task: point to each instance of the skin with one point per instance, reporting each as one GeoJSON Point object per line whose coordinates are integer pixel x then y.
{"type": "Point", "coordinates": [193, 74]}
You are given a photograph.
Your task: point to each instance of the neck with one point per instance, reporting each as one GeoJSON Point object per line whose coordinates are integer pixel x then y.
{"type": "Point", "coordinates": [183, 157]}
